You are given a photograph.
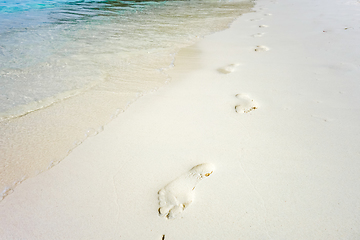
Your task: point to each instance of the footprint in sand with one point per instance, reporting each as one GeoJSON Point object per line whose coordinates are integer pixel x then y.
{"type": "Point", "coordinates": [229, 68]}
{"type": "Point", "coordinates": [175, 197]}
{"type": "Point", "coordinates": [261, 48]}
{"type": "Point", "coordinates": [255, 19]}
{"type": "Point", "coordinates": [245, 104]}
{"type": "Point", "coordinates": [263, 26]}
{"type": "Point", "coordinates": [258, 35]}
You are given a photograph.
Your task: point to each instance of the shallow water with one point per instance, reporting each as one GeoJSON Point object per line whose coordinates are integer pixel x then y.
{"type": "Point", "coordinates": [88, 60]}
{"type": "Point", "coordinates": [58, 49]}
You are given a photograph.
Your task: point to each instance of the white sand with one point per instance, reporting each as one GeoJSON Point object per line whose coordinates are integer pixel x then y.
{"type": "Point", "coordinates": [288, 168]}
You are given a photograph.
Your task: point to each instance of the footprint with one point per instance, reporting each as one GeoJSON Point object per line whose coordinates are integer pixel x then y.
{"type": "Point", "coordinates": [263, 26]}
{"type": "Point", "coordinates": [258, 35]}
{"type": "Point", "coordinates": [256, 19]}
{"type": "Point", "coordinates": [179, 194]}
{"type": "Point", "coordinates": [245, 104]}
{"type": "Point", "coordinates": [229, 68]}
{"type": "Point", "coordinates": [261, 48]}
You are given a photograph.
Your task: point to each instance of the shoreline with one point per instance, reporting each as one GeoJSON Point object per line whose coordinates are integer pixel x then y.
{"type": "Point", "coordinates": [271, 102]}
{"type": "Point", "coordinates": [39, 140]}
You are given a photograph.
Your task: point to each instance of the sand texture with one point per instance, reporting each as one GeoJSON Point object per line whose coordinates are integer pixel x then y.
{"type": "Point", "coordinates": [271, 106]}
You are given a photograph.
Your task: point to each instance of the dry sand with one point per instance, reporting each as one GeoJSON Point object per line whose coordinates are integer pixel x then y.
{"type": "Point", "coordinates": [272, 103]}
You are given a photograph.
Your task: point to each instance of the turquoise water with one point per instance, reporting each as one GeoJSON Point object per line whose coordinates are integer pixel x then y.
{"type": "Point", "coordinates": [45, 48]}
{"type": "Point", "coordinates": [51, 50]}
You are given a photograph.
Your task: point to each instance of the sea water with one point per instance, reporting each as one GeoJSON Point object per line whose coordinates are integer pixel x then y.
{"type": "Point", "coordinates": [85, 60]}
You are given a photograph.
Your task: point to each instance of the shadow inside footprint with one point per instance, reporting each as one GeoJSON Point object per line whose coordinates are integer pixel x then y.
{"type": "Point", "coordinates": [261, 48]}
{"type": "Point", "coordinates": [229, 68]}
{"type": "Point", "coordinates": [175, 197]}
{"type": "Point", "coordinates": [258, 35]}
{"type": "Point", "coordinates": [245, 104]}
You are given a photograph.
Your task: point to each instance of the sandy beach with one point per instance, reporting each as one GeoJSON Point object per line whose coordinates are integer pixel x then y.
{"type": "Point", "coordinates": [272, 104]}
